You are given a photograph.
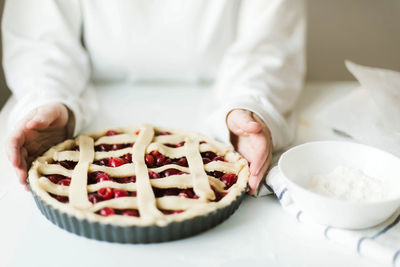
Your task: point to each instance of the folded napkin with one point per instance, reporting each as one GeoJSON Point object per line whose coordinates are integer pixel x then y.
{"type": "Point", "coordinates": [380, 243]}
{"type": "Point", "coordinates": [370, 115]}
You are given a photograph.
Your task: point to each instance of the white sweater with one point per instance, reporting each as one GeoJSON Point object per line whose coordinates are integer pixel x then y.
{"type": "Point", "coordinates": [253, 49]}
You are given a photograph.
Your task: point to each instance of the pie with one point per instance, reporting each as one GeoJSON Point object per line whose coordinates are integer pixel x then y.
{"type": "Point", "coordinates": [138, 180]}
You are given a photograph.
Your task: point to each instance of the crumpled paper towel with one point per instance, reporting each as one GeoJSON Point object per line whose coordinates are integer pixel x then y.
{"type": "Point", "coordinates": [369, 114]}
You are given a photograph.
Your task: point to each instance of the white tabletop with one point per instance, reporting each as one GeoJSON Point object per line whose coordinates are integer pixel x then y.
{"type": "Point", "coordinates": [260, 233]}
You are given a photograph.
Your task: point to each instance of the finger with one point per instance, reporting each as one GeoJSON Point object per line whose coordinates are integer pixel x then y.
{"type": "Point", "coordinates": [257, 163]}
{"type": "Point", "coordinates": [254, 181]}
{"type": "Point", "coordinates": [241, 122]}
{"type": "Point", "coordinates": [260, 152]}
{"type": "Point", "coordinates": [22, 169]}
{"type": "Point", "coordinates": [43, 118]}
{"type": "Point", "coordinates": [14, 145]}
{"type": "Point", "coordinates": [22, 173]}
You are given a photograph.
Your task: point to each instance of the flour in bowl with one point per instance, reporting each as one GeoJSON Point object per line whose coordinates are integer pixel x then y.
{"type": "Point", "coordinates": [347, 184]}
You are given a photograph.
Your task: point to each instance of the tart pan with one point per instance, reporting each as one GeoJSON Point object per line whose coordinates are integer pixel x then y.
{"type": "Point", "coordinates": [137, 234]}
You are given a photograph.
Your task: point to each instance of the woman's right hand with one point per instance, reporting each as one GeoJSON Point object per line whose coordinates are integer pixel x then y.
{"type": "Point", "coordinates": [44, 127]}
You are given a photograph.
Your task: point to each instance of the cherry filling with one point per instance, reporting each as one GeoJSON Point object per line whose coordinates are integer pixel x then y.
{"type": "Point", "coordinates": [166, 173]}
{"type": "Point", "coordinates": [218, 195]}
{"type": "Point", "coordinates": [55, 178]}
{"type": "Point", "coordinates": [111, 132]}
{"type": "Point", "coordinates": [163, 133]}
{"type": "Point", "coordinates": [115, 162]}
{"type": "Point", "coordinates": [228, 179]}
{"type": "Point", "coordinates": [62, 199]}
{"type": "Point", "coordinates": [152, 160]}
{"type": "Point", "coordinates": [106, 193]}
{"type": "Point", "coordinates": [185, 193]}
{"type": "Point", "coordinates": [125, 212]}
{"type": "Point", "coordinates": [177, 145]}
{"type": "Point", "coordinates": [170, 212]}
{"type": "Point", "coordinates": [97, 177]}
{"type": "Point", "coordinates": [156, 159]}
{"type": "Point", "coordinates": [70, 165]}
{"type": "Point", "coordinates": [125, 180]}
{"type": "Point", "coordinates": [111, 147]}
{"type": "Point", "coordinates": [211, 156]}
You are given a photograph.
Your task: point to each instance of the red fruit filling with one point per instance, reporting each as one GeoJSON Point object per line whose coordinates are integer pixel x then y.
{"type": "Point", "coordinates": [55, 178]}
{"type": "Point", "coordinates": [67, 164]}
{"type": "Point", "coordinates": [177, 145]}
{"type": "Point", "coordinates": [169, 212]}
{"type": "Point", "coordinates": [182, 162]}
{"type": "Point", "coordinates": [155, 153]}
{"type": "Point", "coordinates": [169, 172]}
{"type": "Point", "coordinates": [110, 147]}
{"type": "Point", "coordinates": [218, 158]}
{"type": "Point", "coordinates": [125, 180]}
{"type": "Point", "coordinates": [66, 182]}
{"type": "Point", "coordinates": [186, 193]}
{"type": "Point", "coordinates": [95, 198]}
{"type": "Point", "coordinates": [63, 199]}
{"type": "Point", "coordinates": [210, 155]}
{"type": "Point", "coordinates": [102, 162]}
{"type": "Point", "coordinates": [106, 211]}
{"type": "Point", "coordinates": [160, 159]}
{"type": "Point", "coordinates": [127, 158]}
{"type": "Point", "coordinates": [154, 175]}
{"type": "Point", "coordinates": [216, 174]}
{"type": "Point", "coordinates": [120, 193]}
{"type": "Point", "coordinates": [180, 144]}
{"type": "Point", "coordinates": [218, 195]}
{"type": "Point", "coordinates": [149, 159]}
{"type": "Point", "coordinates": [97, 177]}
{"type": "Point", "coordinates": [206, 160]}
{"type": "Point", "coordinates": [116, 162]}
{"type": "Point", "coordinates": [125, 212]}
{"type": "Point", "coordinates": [228, 179]}
{"type": "Point", "coordinates": [106, 193]}
{"type": "Point", "coordinates": [164, 133]}
{"type": "Point", "coordinates": [111, 132]}
{"type": "Point", "coordinates": [130, 213]}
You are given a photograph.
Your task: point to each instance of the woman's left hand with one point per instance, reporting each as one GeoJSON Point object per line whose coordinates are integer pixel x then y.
{"type": "Point", "coordinates": [251, 138]}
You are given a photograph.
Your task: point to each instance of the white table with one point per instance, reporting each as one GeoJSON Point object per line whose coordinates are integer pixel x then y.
{"type": "Point", "coordinates": [260, 233]}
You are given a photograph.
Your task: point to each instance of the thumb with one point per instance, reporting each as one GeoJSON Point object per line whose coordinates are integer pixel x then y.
{"type": "Point", "coordinates": [241, 122]}
{"type": "Point", "coordinates": [48, 116]}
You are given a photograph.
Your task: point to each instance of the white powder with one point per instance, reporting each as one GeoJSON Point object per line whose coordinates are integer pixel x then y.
{"type": "Point", "coordinates": [347, 184]}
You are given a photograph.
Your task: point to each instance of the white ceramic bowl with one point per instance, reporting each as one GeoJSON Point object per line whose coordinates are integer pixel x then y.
{"type": "Point", "coordinates": [300, 163]}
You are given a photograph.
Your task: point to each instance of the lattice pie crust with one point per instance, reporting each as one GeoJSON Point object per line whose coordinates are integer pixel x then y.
{"type": "Point", "coordinates": [146, 139]}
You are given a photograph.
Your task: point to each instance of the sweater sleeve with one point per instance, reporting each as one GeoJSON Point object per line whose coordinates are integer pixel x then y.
{"type": "Point", "coordinates": [264, 68]}
{"type": "Point", "coordinates": [43, 57]}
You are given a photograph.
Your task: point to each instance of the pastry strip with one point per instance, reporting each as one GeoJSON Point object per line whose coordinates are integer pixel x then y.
{"type": "Point", "coordinates": [200, 179]}
{"type": "Point", "coordinates": [145, 195]}
{"type": "Point", "coordinates": [77, 189]}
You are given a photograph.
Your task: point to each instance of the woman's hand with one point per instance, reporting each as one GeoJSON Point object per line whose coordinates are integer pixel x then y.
{"type": "Point", "coordinates": [42, 128]}
{"type": "Point", "coordinates": [251, 138]}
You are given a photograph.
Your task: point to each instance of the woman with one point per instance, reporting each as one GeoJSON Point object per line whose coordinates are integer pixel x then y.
{"type": "Point", "coordinates": [54, 50]}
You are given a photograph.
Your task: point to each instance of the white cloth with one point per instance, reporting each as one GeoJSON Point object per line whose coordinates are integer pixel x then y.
{"type": "Point", "coordinates": [371, 112]}
{"type": "Point", "coordinates": [55, 49]}
{"type": "Point", "coordinates": [380, 243]}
